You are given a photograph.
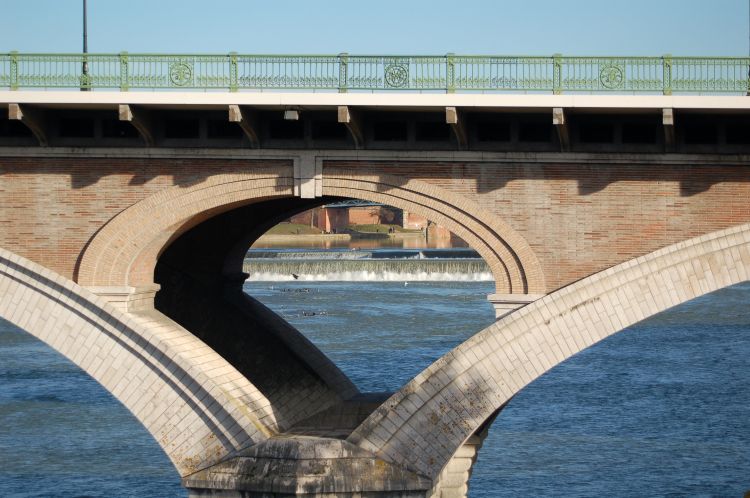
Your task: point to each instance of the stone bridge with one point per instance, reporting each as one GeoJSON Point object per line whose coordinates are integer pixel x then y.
{"type": "Point", "coordinates": [125, 218]}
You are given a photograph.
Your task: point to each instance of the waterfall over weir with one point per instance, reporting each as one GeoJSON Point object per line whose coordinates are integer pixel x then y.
{"type": "Point", "coordinates": [355, 266]}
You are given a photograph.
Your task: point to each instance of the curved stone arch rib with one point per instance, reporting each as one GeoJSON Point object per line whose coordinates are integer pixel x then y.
{"type": "Point", "coordinates": [151, 365]}
{"type": "Point", "coordinates": [107, 259]}
{"type": "Point", "coordinates": [140, 232]}
{"type": "Point", "coordinates": [444, 405]}
{"type": "Point", "coordinates": [510, 258]}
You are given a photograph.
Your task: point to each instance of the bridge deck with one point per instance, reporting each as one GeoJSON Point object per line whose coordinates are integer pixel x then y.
{"type": "Point", "coordinates": [392, 101]}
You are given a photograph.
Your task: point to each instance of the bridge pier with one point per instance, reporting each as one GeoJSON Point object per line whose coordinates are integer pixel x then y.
{"type": "Point", "coordinates": [306, 467]}
{"type": "Point", "coordinates": [453, 481]}
{"type": "Point", "coordinates": [311, 466]}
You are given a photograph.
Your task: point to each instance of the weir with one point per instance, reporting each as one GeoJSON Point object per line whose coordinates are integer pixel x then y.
{"type": "Point", "coordinates": [367, 269]}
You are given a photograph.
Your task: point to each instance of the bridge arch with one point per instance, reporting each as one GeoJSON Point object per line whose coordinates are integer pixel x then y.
{"type": "Point", "coordinates": [158, 370]}
{"type": "Point", "coordinates": [125, 251]}
{"type": "Point", "coordinates": [441, 408]}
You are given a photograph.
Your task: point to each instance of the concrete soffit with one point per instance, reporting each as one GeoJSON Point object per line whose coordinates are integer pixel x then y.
{"type": "Point", "coordinates": [32, 118]}
{"type": "Point", "coordinates": [247, 122]}
{"type": "Point", "coordinates": [351, 119]}
{"type": "Point", "coordinates": [563, 134]}
{"type": "Point", "coordinates": [140, 120]}
{"type": "Point", "coordinates": [454, 118]}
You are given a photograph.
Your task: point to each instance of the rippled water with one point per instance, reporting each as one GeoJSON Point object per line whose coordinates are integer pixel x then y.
{"type": "Point", "coordinates": [61, 434]}
{"type": "Point", "coordinates": [658, 410]}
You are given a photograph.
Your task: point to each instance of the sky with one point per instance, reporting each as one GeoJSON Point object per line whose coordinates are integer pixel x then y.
{"type": "Point", "coordinates": [403, 27]}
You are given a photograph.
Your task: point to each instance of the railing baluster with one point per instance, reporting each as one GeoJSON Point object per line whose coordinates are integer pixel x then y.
{"type": "Point", "coordinates": [557, 65]}
{"type": "Point", "coordinates": [14, 70]}
{"type": "Point", "coordinates": [667, 74]}
{"type": "Point", "coordinates": [124, 72]}
{"type": "Point", "coordinates": [233, 85]}
{"type": "Point", "coordinates": [450, 73]}
{"type": "Point", "coordinates": [343, 72]}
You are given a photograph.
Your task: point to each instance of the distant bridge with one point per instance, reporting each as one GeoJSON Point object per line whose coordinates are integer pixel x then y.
{"type": "Point", "coordinates": [348, 203]}
{"type": "Point", "coordinates": [125, 218]}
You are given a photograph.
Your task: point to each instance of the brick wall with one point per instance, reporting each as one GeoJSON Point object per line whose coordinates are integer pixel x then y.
{"type": "Point", "coordinates": [578, 218]}
{"type": "Point", "coordinates": [50, 208]}
{"type": "Point", "coordinates": [582, 218]}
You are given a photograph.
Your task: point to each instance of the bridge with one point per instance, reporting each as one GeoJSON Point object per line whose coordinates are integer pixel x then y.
{"type": "Point", "coordinates": [600, 191]}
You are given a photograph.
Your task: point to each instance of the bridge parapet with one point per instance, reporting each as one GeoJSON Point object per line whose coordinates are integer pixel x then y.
{"type": "Point", "coordinates": [448, 73]}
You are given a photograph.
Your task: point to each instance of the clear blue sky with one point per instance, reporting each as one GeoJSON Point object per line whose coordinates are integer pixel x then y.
{"type": "Point", "coordinates": [534, 27]}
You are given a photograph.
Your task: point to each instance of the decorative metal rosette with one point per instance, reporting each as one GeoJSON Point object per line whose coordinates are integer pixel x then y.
{"type": "Point", "coordinates": [180, 73]}
{"type": "Point", "coordinates": [396, 75]}
{"type": "Point", "coordinates": [612, 76]}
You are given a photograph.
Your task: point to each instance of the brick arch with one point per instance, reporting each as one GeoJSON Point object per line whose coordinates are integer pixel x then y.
{"type": "Point", "coordinates": [510, 258]}
{"type": "Point", "coordinates": [125, 251]}
{"type": "Point", "coordinates": [441, 408]}
{"type": "Point", "coordinates": [158, 370]}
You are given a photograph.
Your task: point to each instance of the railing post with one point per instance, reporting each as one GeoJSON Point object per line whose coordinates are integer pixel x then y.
{"type": "Point", "coordinates": [666, 61]}
{"type": "Point", "coordinates": [14, 70]}
{"type": "Point", "coordinates": [450, 73]}
{"type": "Point", "coordinates": [124, 72]}
{"type": "Point", "coordinates": [557, 74]}
{"type": "Point", "coordinates": [343, 72]}
{"type": "Point", "coordinates": [85, 76]}
{"type": "Point", "coordinates": [233, 84]}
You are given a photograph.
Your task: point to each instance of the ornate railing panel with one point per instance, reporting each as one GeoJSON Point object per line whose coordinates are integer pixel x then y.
{"type": "Point", "coordinates": [612, 74]}
{"type": "Point", "coordinates": [343, 72]}
{"type": "Point", "coordinates": [5, 70]}
{"type": "Point", "coordinates": [691, 74]}
{"type": "Point", "coordinates": [504, 73]}
{"type": "Point", "coordinates": [286, 72]}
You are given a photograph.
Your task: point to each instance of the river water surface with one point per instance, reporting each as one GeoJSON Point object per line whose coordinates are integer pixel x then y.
{"type": "Point", "coordinates": [658, 410]}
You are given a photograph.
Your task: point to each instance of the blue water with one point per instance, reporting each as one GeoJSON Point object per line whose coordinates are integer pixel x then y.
{"type": "Point", "coordinates": [657, 410]}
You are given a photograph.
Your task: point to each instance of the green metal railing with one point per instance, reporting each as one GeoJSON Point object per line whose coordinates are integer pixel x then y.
{"type": "Point", "coordinates": [447, 73]}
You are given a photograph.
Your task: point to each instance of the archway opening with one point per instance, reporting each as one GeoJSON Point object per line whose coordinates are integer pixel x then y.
{"type": "Point", "coordinates": [381, 276]}
{"type": "Point", "coordinates": [355, 275]}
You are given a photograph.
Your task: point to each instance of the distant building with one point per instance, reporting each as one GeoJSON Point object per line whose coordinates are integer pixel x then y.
{"type": "Point", "coordinates": [336, 218]}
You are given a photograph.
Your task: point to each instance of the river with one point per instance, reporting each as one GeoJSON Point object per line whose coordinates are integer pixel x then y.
{"type": "Point", "coordinates": [657, 410]}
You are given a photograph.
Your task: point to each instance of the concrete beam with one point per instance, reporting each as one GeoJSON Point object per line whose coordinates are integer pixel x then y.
{"type": "Point", "coordinates": [308, 176]}
{"type": "Point", "coordinates": [558, 120]}
{"type": "Point", "coordinates": [247, 122]}
{"type": "Point", "coordinates": [351, 120]}
{"type": "Point", "coordinates": [435, 102]}
{"type": "Point", "coordinates": [456, 122]}
{"type": "Point", "coordinates": [140, 121]}
{"type": "Point", "coordinates": [32, 118]}
{"type": "Point", "coordinates": [668, 122]}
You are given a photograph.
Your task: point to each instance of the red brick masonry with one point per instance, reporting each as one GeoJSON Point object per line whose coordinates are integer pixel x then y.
{"type": "Point", "coordinates": [578, 218]}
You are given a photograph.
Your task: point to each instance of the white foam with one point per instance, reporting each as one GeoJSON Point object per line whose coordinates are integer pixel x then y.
{"type": "Point", "coordinates": [366, 276]}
